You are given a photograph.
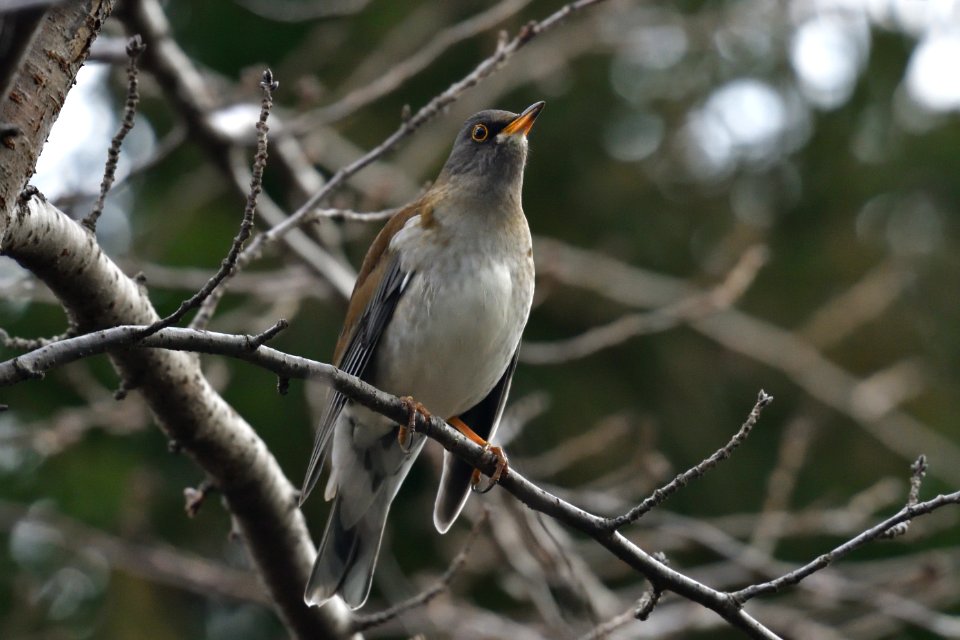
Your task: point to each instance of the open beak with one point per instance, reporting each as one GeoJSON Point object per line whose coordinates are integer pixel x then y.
{"type": "Point", "coordinates": [524, 122]}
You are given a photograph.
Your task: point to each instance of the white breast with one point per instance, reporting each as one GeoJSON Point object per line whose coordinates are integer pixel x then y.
{"type": "Point", "coordinates": [456, 327]}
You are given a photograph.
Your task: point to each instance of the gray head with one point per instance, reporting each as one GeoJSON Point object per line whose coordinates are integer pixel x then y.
{"type": "Point", "coordinates": [489, 152]}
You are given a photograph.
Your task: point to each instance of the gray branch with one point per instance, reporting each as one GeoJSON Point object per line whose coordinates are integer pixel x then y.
{"type": "Point", "coordinates": [289, 366]}
{"type": "Point", "coordinates": [119, 340]}
{"type": "Point", "coordinates": [97, 294]}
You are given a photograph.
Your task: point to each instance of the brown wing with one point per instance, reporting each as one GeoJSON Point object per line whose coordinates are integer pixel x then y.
{"type": "Point", "coordinates": [380, 284]}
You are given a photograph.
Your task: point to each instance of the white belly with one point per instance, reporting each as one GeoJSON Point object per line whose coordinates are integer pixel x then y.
{"type": "Point", "coordinates": [448, 344]}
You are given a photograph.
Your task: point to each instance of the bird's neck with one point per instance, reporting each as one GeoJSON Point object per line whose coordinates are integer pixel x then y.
{"type": "Point", "coordinates": [487, 201]}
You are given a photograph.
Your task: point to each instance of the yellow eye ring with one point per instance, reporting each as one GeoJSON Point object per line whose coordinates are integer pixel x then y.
{"type": "Point", "coordinates": [480, 133]}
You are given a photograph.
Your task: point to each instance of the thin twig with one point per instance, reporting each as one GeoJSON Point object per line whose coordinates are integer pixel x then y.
{"type": "Point", "coordinates": [917, 472]}
{"type": "Point", "coordinates": [647, 604]}
{"type": "Point", "coordinates": [289, 366]}
{"type": "Point", "coordinates": [364, 622]}
{"type": "Point", "coordinates": [255, 342]}
{"type": "Point", "coordinates": [162, 150]}
{"type": "Point", "coordinates": [727, 605]}
{"type": "Point", "coordinates": [606, 628]}
{"type": "Point", "coordinates": [268, 85]}
{"type": "Point", "coordinates": [393, 78]}
{"type": "Point", "coordinates": [426, 113]}
{"type": "Point", "coordinates": [659, 496]}
{"type": "Point", "coordinates": [873, 533]}
{"type": "Point", "coordinates": [747, 335]}
{"type": "Point", "coordinates": [349, 214]}
{"type": "Point", "coordinates": [318, 257]}
{"type": "Point", "coordinates": [135, 47]}
{"type": "Point", "coordinates": [831, 589]}
{"type": "Point", "coordinates": [640, 610]}
{"type": "Point", "coordinates": [159, 564]}
{"type": "Point", "coordinates": [29, 344]}
{"type": "Point", "coordinates": [699, 305]}
{"type": "Point", "coordinates": [194, 498]}
{"type": "Point", "coordinates": [781, 482]}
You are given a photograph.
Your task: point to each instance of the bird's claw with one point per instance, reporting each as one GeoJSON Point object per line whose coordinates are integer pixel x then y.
{"type": "Point", "coordinates": [405, 432]}
{"type": "Point", "coordinates": [502, 465]}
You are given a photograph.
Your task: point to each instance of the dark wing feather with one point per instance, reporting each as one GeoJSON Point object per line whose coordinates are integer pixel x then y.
{"type": "Point", "coordinates": [483, 418]}
{"type": "Point", "coordinates": [356, 356]}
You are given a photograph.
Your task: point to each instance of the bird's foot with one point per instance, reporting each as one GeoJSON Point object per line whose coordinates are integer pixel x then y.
{"type": "Point", "coordinates": [404, 434]}
{"type": "Point", "coordinates": [476, 478]}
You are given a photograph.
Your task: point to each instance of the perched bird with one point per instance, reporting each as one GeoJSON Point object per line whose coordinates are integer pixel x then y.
{"type": "Point", "coordinates": [436, 315]}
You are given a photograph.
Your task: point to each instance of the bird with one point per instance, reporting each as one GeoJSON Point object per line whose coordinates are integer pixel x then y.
{"type": "Point", "coordinates": [436, 316]}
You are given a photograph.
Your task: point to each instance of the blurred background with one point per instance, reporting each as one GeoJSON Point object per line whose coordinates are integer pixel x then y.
{"type": "Point", "coordinates": [726, 197]}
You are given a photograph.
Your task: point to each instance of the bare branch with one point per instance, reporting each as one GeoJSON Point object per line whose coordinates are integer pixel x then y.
{"type": "Point", "coordinates": [699, 305]}
{"type": "Point", "coordinates": [742, 333]}
{"type": "Point", "coordinates": [622, 329]}
{"type": "Point", "coordinates": [407, 127]}
{"type": "Point", "coordinates": [917, 472]}
{"type": "Point", "coordinates": [640, 610]}
{"type": "Point", "coordinates": [194, 498]}
{"type": "Point", "coordinates": [831, 589]}
{"type": "Point", "coordinates": [188, 91]}
{"type": "Point", "coordinates": [268, 85]}
{"type": "Point", "coordinates": [135, 47]}
{"type": "Point", "coordinates": [288, 366]}
{"type": "Point", "coordinates": [259, 497]}
{"type": "Point", "coordinates": [393, 78]}
{"type": "Point", "coordinates": [663, 493]}
{"type": "Point", "coordinates": [873, 533]}
{"type": "Point", "coordinates": [347, 214]}
{"type": "Point", "coordinates": [30, 107]}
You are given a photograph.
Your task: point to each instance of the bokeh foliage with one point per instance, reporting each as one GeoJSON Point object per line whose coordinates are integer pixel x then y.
{"type": "Point", "coordinates": [676, 136]}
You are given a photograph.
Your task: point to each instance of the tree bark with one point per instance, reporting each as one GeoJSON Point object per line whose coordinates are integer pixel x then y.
{"type": "Point", "coordinates": [96, 294]}
{"type": "Point", "coordinates": [46, 73]}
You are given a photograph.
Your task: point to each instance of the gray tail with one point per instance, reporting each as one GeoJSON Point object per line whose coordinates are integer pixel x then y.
{"type": "Point", "coordinates": [347, 556]}
{"type": "Point", "coordinates": [453, 493]}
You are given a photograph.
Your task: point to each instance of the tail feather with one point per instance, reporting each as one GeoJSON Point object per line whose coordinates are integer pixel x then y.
{"type": "Point", "coordinates": [368, 466]}
{"type": "Point", "coordinates": [347, 556]}
{"type": "Point", "coordinates": [453, 493]}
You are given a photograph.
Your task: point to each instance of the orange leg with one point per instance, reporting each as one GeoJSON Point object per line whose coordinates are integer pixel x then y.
{"type": "Point", "coordinates": [462, 427]}
{"type": "Point", "coordinates": [403, 435]}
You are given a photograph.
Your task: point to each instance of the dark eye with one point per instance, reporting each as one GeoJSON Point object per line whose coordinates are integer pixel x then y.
{"type": "Point", "coordinates": [480, 133]}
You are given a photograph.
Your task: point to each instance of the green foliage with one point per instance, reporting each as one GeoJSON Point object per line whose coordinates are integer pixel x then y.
{"type": "Point", "coordinates": [841, 192]}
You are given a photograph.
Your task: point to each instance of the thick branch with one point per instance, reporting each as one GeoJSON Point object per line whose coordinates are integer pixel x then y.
{"type": "Point", "coordinates": [45, 76]}
{"type": "Point", "coordinates": [262, 502]}
{"type": "Point", "coordinates": [287, 366]}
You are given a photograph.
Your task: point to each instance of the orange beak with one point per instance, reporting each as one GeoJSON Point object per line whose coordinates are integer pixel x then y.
{"type": "Point", "coordinates": [524, 122]}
